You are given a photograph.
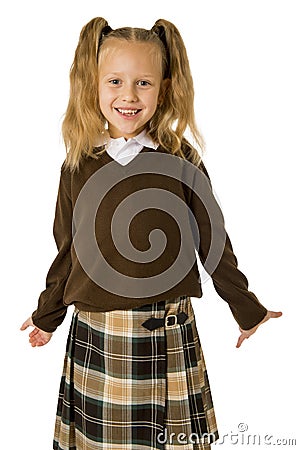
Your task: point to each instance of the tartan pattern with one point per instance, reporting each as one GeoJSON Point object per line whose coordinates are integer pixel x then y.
{"type": "Point", "coordinates": [126, 387]}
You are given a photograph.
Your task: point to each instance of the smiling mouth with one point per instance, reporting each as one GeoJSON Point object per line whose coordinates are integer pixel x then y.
{"type": "Point", "coordinates": [128, 112]}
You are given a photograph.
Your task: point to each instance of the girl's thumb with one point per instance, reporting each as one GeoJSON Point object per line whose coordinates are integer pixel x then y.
{"type": "Point", "coordinates": [26, 324]}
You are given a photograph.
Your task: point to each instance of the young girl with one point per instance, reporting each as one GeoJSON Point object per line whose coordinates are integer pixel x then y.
{"type": "Point", "coordinates": [134, 201]}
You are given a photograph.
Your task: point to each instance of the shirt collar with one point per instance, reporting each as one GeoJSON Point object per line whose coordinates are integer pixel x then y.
{"type": "Point", "coordinates": [143, 138]}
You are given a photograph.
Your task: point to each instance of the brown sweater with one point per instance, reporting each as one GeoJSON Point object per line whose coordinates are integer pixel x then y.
{"type": "Point", "coordinates": [146, 253]}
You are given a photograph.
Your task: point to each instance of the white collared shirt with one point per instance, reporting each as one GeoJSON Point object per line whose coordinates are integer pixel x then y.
{"type": "Point", "coordinates": [125, 151]}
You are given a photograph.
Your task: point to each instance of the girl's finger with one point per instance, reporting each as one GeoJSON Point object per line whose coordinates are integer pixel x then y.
{"type": "Point", "coordinates": [34, 332]}
{"type": "Point", "coordinates": [240, 340]}
{"type": "Point", "coordinates": [275, 314]}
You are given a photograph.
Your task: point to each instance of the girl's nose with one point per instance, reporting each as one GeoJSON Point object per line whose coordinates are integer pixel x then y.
{"type": "Point", "coordinates": [129, 94]}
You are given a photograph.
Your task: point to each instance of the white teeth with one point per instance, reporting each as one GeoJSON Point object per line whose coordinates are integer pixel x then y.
{"type": "Point", "coordinates": [128, 112]}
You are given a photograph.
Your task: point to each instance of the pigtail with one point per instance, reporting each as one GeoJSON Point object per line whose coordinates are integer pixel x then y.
{"type": "Point", "coordinates": [83, 122]}
{"type": "Point", "coordinates": [178, 105]}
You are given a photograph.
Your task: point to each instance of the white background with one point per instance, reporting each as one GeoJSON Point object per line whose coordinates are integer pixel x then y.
{"type": "Point", "coordinates": [245, 62]}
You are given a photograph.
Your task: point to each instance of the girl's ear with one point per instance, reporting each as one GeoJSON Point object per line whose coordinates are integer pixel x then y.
{"type": "Point", "coordinates": [163, 89]}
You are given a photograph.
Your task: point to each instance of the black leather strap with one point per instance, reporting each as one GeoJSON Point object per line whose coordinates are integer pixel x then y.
{"type": "Point", "coordinates": [155, 322]}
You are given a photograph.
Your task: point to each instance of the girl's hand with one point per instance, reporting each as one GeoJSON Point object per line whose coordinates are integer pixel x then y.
{"type": "Point", "coordinates": [245, 334]}
{"type": "Point", "coordinates": [37, 337]}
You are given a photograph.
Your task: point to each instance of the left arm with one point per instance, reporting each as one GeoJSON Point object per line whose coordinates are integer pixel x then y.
{"type": "Point", "coordinates": [218, 259]}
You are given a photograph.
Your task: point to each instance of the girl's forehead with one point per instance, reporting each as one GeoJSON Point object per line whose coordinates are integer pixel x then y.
{"type": "Point", "coordinates": [120, 51]}
{"type": "Point", "coordinates": [119, 43]}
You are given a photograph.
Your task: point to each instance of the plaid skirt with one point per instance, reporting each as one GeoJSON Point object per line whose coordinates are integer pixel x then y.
{"type": "Point", "coordinates": [125, 386]}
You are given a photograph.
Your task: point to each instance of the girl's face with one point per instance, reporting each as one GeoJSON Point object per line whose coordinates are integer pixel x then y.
{"type": "Point", "coordinates": [130, 86]}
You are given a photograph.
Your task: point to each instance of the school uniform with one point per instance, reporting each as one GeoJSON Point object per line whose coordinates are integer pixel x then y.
{"type": "Point", "coordinates": [134, 375]}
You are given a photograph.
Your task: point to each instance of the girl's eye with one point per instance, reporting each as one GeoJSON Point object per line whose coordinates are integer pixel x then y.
{"type": "Point", "coordinates": [143, 83]}
{"type": "Point", "coordinates": [114, 81]}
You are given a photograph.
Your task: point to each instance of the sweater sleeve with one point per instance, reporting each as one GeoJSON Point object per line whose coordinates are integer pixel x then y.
{"type": "Point", "coordinates": [217, 256]}
{"type": "Point", "coordinates": [51, 310]}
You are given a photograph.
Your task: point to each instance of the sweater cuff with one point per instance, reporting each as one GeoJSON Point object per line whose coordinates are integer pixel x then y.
{"type": "Point", "coordinates": [249, 320]}
{"type": "Point", "coordinates": [46, 322]}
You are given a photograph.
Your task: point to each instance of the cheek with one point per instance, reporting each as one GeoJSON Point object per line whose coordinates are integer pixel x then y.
{"type": "Point", "coordinates": [104, 98]}
{"type": "Point", "coordinates": [152, 101]}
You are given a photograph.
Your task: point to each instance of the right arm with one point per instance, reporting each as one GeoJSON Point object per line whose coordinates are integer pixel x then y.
{"type": "Point", "coordinates": [51, 310]}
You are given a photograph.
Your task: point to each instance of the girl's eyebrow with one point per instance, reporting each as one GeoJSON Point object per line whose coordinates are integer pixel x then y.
{"type": "Point", "coordinates": [143, 75]}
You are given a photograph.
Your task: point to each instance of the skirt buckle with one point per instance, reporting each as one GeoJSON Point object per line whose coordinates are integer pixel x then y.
{"type": "Point", "coordinates": [169, 321]}
{"type": "Point", "coordinates": [174, 320]}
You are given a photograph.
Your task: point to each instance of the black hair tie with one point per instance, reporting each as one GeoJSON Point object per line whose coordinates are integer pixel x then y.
{"type": "Point", "coordinates": [105, 31]}
{"type": "Point", "coordinates": [160, 31]}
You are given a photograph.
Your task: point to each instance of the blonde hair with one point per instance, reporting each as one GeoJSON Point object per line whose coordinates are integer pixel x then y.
{"type": "Point", "coordinates": [84, 123]}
